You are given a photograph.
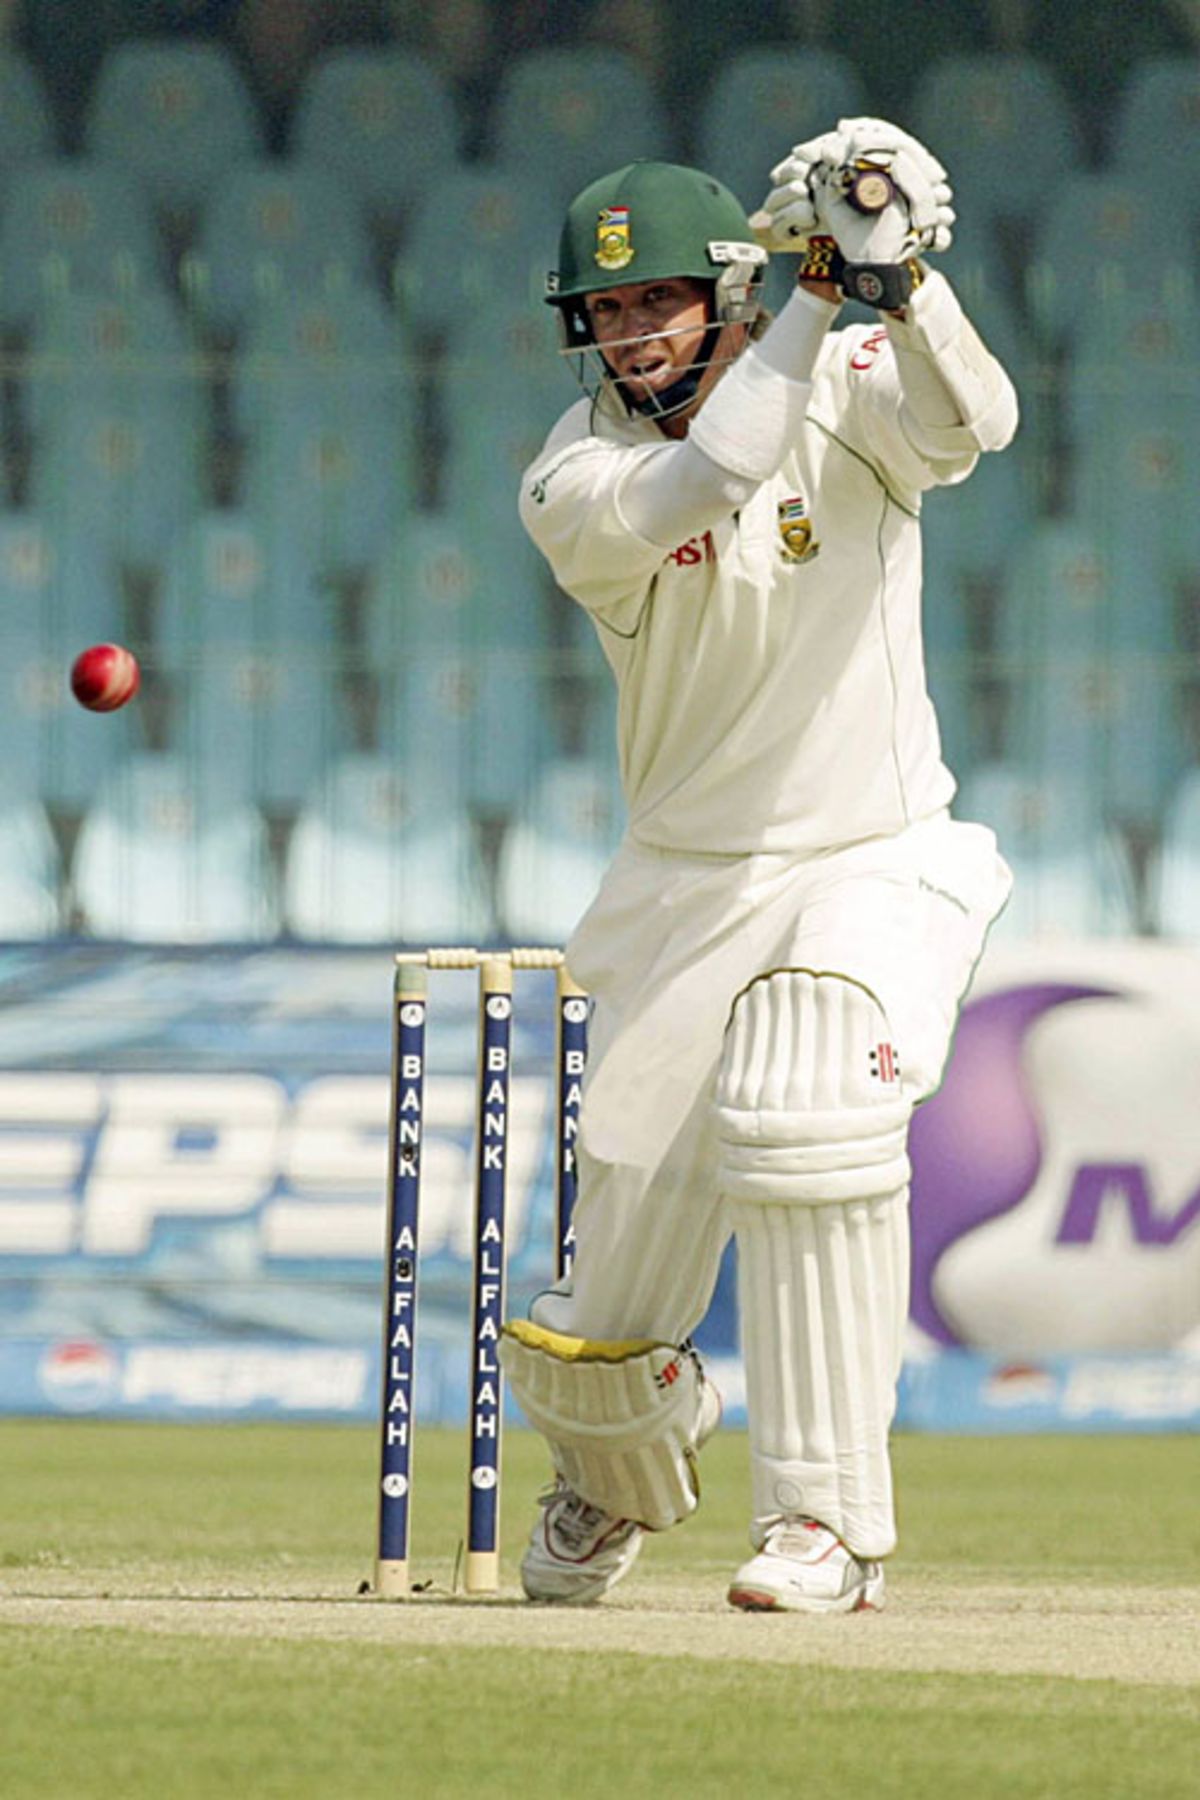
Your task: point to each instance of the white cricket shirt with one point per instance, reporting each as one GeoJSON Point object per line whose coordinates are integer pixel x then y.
{"type": "Point", "coordinates": [770, 671]}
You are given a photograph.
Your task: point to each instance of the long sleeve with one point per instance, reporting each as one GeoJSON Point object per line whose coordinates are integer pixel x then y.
{"type": "Point", "coordinates": [958, 400]}
{"type": "Point", "coordinates": [604, 513]}
{"type": "Point", "coordinates": [741, 435]}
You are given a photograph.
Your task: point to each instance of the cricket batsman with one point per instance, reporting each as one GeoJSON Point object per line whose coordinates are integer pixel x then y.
{"type": "Point", "coordinates": [780, 948]}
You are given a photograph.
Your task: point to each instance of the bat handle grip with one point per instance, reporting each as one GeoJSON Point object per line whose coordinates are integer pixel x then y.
{"type": "Point", "coordinates": [868, 189]}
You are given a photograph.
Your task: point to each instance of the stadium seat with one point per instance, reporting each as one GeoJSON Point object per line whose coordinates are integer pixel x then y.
{"type": "Point", "coordinates": [516, 345]}
{"type": "Point", "coordinates": [83, 748]}
{"type": "Point", "coordinates": [969, 534]}
{"type": "Point", "coordinates": [764, 100]}
{"type": "Point", "coordinates": [989, 287]}
{"type": "Point", "coordinates": [1133, 350]}
{"type": "Point", "coordinates": [998, 121]}
{"type": "Point", "coordinates": [428, 591]}
{"type": "Point", "coordinates": [439, 587]}
{"type": "Point", "coordinates": [1156, 130]}
{"type": "Point", "coordinates": [1176, 879]}
{"type": "Point", "coordinates": [1116, 715]}
{"type": "Point", "coordinates": [228, 588]}
{"type": "Point", "coordinates": [980, 267]}
{"type": "Point", "coordinates": [85, 599]}
{"type": "Point", "coordinates": [505, 385]}
{"type": "Point", "coordinates": [556, 850]}
{"type": "Point", "coordinates": [128, 353]}
{"type": "Point", "coordinates": [33, 684]}
{"type": "Point", "coordinates": [473, 723]}
{"type": "Point", "coordinates": [1152, 538]}
{"type": "Point", "coordinates": [1072, 877]}
{"type": "Point", "coordinates": [1132, 418]}
{"type": "Point", "coordinates": [379, 855]}
{"type": "Point", "coordinates": [1098, 224]}
{"type": "Point", "coordinates": [1082, 698]}
{"type": "Point", "coordinates": [1057, 595]}
{"type": "Point", "coordinates": [26, 125]}
{"type": "Point", "coordinates": [33, 619]}
{"type": "Point", "coordinates": [49, 609]}
{"type": "Point", "coordinates": [175, 114]}
{"type": "Point", "coordinates": [330, 491]}
{"type": "Point", "coordinates": [274, 228]}
{"type": "Point", "coordinates": [116, 409]}
{"type": "Point", "coordinates": [502, 393]}
{"type": "Point", "coordinates": [382, 120]}
{"type": "Point", "coordinates": [331, 355]}
{"type": "Point", "coordinates": [971, 529]}
{"type": "Point", "coordinates": [73, 225]}
{"type": "Point", "coordinates": [478, 234]}
{"type": "Point", "coordinates": [324, 397]}
{"type": "Point", "coordinates": [159, 861]}
{"type": "Point", "coordinates": [260, 722]}
{"type": "Point", "coordinates": [482, 467]}
{"type": "Point", "coordinates": [950, 677]}
{"type": "Point", "coordinates": [248, 645]}
{"type": "Point", "coordinates": [30, 893]}
{"type": "Point", "coordinates": [465, 632]}
{"type": "Point", "coordinates": [570, 113]}
{"type": "Point", "coordinates": [583, 690]}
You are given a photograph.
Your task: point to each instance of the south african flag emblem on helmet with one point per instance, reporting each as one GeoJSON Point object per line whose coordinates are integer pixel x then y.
{"type": "Point", "coordinates": [613, 247]}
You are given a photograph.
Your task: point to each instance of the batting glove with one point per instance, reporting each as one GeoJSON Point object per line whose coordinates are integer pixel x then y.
{"type": "Point", "coordinates": [887, 200]}
{"type": "Point", "coordinates": [787, 217]}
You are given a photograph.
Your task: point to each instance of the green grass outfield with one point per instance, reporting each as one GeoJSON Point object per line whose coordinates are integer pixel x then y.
{"type": "Point", "coordinates": [179, 1617]}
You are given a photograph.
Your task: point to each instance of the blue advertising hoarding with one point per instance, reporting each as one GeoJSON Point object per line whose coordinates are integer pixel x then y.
{"type": "Point", "coordinates": [193, 1151]}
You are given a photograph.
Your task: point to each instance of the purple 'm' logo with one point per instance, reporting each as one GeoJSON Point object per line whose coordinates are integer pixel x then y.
{"type": "Point", "coordinates": [975, 1146]}
{"type": "Point", "coordinates": [1126, 1183]}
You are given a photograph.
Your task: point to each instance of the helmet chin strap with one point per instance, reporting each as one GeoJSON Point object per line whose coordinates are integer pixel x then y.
{"type": "Point", "coordinates": [681, 392]}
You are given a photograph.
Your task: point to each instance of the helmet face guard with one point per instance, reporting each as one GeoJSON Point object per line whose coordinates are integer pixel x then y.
{"type": "Point", "coordinates": [652, 222]}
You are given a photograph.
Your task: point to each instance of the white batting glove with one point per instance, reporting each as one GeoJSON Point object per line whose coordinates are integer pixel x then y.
{"type": "Point", "coordinates": [918, 215]}
{"type": "Point", "coordinates": [787, 218]}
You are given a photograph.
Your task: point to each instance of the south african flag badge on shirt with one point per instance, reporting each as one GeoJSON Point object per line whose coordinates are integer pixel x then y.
{"type": "Point", "coordinates": [795, 530]}
{"type": "Point", "coordinates": [614, 248]}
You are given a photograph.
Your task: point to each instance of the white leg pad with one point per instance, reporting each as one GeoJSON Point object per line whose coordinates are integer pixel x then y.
{"type": "Point", "coordinates": [823, 1294]}
{"type": "Point", "coordinates": [623, 1420]}
{"type": "Point", "coordinates": [809, 1102]}
{"type": "Point", "coordinates": [813, 1146]}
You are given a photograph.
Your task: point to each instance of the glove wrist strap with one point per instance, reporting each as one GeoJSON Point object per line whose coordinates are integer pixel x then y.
{"type": "Point", "coordinates": [820, 260]}
{"type": "Point", "coordinates": [885, 286]}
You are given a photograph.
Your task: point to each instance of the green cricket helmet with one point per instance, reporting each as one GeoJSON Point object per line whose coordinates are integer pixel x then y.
{"type": "Point", "coordinates": [652, 221]}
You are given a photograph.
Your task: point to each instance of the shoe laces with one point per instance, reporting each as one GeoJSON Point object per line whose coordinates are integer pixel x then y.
{"type": "Point", "coordinates": [576, 1520]}
{"type": "Point", "coordinates": [798, 1537]}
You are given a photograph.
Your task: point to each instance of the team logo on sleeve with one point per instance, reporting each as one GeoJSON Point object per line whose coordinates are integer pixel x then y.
{"type": "Point", "coordinates": [797, 543]}
{"type": "Point", "coordinates": [614, 248]}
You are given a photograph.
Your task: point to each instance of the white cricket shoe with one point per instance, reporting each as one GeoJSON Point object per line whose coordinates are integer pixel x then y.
{"type": "Point", "coordinates": [576, 1552]}
{"type": "Point", "coordinates": [802, 1566]}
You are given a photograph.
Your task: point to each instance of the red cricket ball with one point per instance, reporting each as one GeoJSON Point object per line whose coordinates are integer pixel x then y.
{"type": "Point", "coordinates": [104, 677]}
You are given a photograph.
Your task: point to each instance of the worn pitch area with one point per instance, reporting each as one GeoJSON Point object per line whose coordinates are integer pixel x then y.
{"type": "Point", "coordinates": [1070, 1557]}
{"type": "Point", "coordinates": [1110, 1632]}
